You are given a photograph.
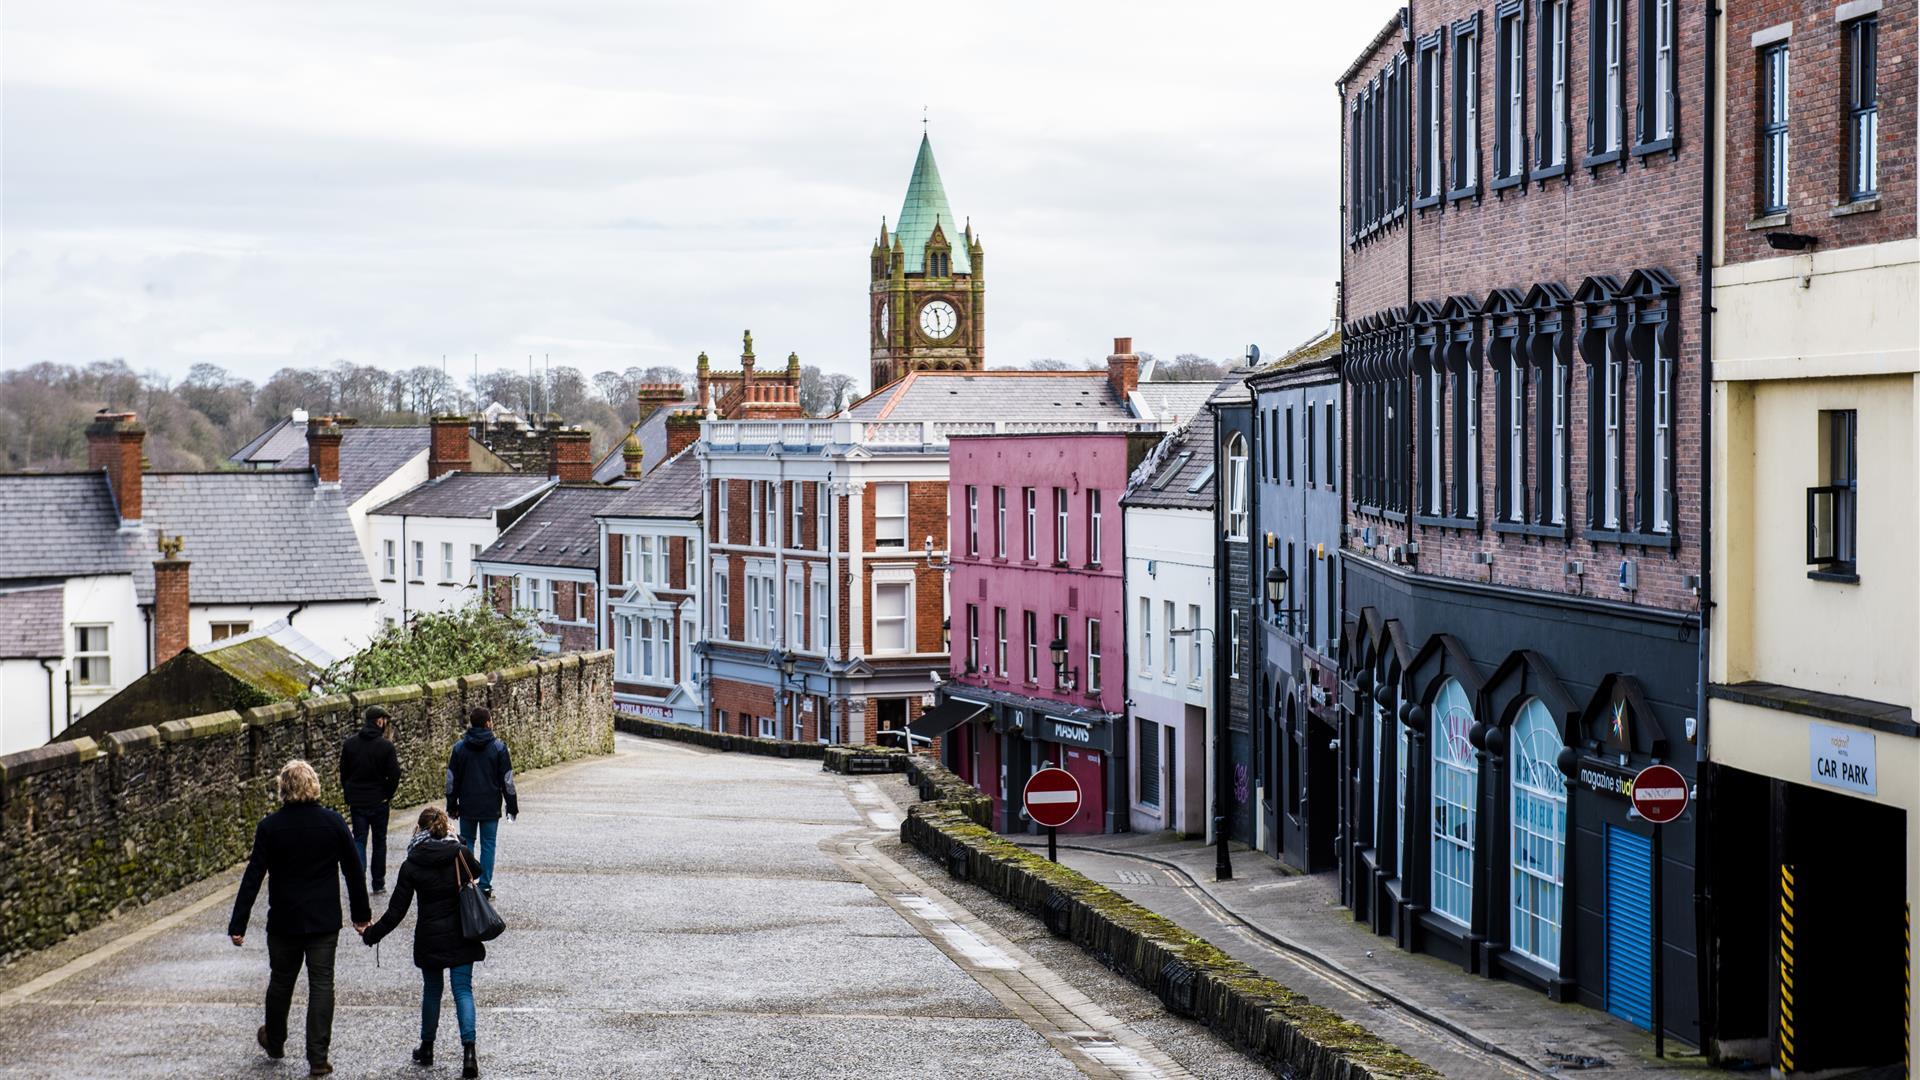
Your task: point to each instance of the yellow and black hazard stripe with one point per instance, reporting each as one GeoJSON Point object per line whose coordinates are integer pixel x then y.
{"type": "Point", "coordinates": [1784, 1020]}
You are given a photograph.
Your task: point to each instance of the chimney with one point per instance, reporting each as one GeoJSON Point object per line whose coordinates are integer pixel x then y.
{"type": "Point", "coordinates": [448, 449]}
{"type": "Point", "coordinates": [571, 456]}
{"type": "Point", "coordinates": [683, 430]}
{"type": "Point", "coordinates": [170, 601]}
{"type": "Point", "coordinates": [635, 456]}
{"type": "Point", "coordinates": [113, 443]}
{"type": "Point", "coordinates": [1123, 367]}
{"type": "Point", "coordinates": [323, 448]}
{"type": "Point", "coordinates": [652, 397]}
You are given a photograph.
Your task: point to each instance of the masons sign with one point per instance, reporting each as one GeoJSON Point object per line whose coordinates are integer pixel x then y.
{"type": "Point", "coordinates": [1841, 758]}
{"type": "Point", "coordinates": [1076, 733]}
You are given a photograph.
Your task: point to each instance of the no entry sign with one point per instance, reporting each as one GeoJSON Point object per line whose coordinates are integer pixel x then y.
{"type": "Point", "coordinates": [1660, 793]}
{"type": "Point", "coordinates": [1052, 797]}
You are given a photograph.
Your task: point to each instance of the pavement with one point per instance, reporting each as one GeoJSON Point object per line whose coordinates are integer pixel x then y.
{"type": "Point", "coordinates": [672, 912]}
{"type": "Point", "coordinates": [1291, 927]}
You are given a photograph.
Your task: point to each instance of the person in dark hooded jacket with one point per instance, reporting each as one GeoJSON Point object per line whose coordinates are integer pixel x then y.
{"type": "Point", "coordinates": [369, 775]}
{"type": "Point", "coordinates": [436, 863]}
{"type": "Point", "coordinates": [479, 782]}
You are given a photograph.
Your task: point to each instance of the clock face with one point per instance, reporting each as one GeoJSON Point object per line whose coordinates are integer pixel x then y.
{"type": "Point", "coordinates": [937, 319]}
{"type": "Point", "coordinates": [884, 314]}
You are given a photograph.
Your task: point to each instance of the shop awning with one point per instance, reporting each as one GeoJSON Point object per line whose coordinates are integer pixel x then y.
{"type": "Point", "coordinates": [945, 716]}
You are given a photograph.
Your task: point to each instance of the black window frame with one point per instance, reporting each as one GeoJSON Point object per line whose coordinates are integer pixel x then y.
{"type": "Point", "coordinates": [1510, 40]}
{"type": "Point", "coordinates": [1653, 327]}
{"type": "Point", "coordinates": [1288, 443]}
{"type": "Point", "coordinates": [1598, 39]}
{"type": "Point", "coordinates": [1775, 139]}
{"type": "Point", "coordinates": [1430, 119]}
{"type": "Point", "coordinates": [1863, 104]}
{"type": "Point", "coordinates": [1427, 360]}
{"type": "Point", "coordinates": [1603, 337]}
{"type": "Point", "coordinates": [1506, 356]}
{"type": "Point", "coordinates": [1646, 139]}
{"type": "Point", "coordinates": [1545, 122]}
{"type": "Point", "coordinates": [1836, 503]}
{"type": "Point", "coordinates": [1548, 345]}
{"type": "Point", "coordinates": [1465, 106]}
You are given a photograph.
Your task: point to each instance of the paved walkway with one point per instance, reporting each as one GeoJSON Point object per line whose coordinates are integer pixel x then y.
{"type": "Point", "coordinates": [1292, 927]}
{"type": "Point", "coordinates": [672, 912]}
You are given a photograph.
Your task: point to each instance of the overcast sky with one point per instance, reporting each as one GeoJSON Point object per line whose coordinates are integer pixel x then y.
{"type": "Point", "coordinates": [627, 183]}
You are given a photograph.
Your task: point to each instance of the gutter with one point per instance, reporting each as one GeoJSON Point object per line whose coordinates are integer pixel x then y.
{"type": "Point", "coordinates": [51, 733]}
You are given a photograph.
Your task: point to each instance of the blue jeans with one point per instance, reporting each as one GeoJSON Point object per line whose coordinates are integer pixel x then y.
{"type": "Point", "coordinates": [489, 833]}
{"type": "Point", "coordinates": [431, 985]}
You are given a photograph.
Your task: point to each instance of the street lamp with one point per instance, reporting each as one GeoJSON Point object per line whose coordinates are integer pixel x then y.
{"type": "Point", "coordinates": [1277, 596]}
{"type": "Point", "coordinates": [1222, 762]}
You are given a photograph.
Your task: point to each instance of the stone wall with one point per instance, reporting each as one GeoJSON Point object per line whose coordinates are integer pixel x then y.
{"type": "Point", "coordinates": [89, 828]}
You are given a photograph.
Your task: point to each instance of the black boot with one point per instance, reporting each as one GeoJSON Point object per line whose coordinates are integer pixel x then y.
{"type": "Point", "coordinates": [423, 1054]}
{"type": "Point", "coordinates": [469, 1068]}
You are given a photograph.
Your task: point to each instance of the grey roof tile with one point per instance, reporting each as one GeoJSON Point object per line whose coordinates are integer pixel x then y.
{"type": "Point", "coordinates": [466, 495]}
{"type": "Point", "coordinates": [559, 531]}
{"type": "Point", "coordinates": [273, 445]}
{"type": "Point", "coordinates": [31, 622]}
{"type": "Point", "coordinates": [1180, 472]}
{"type": "Point", "coordinates": [653, 439]}
{"type": "Point", "coordinates": [368, 455]}
{"type": "Point", "coordinates": [994, 395]}
{"type": "Point", "coordinates": [672, 490]}
{"type": "Point", "coordinates": [1176, 402]}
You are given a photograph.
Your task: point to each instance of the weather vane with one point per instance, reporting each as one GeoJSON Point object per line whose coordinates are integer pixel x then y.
{"type": "Point", "coordinates": [923, 119]}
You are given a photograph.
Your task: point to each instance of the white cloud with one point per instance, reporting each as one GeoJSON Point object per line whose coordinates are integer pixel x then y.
{"type": "Point", "coordinates": [614, 183]}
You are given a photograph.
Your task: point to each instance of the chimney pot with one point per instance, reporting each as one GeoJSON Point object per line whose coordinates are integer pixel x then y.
{"type": "Point", "coordinates": [1123, 367]}
{"type": "Point", "coordinates": [1122, 345]}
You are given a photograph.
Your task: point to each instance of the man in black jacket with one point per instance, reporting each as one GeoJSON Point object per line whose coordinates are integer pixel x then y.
{"type": "Point", "coordinates": [369, 775]}
{"type": "Point", "coordinates": [479, 779]}
{"type": "Point", "coordinates": [299, 848]}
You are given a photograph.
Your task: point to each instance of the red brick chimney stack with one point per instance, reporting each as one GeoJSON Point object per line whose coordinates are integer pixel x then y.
{"type": "Point", "coordinates": [1123, 367]}
{"type": "Point", "coordinates": [572, 456]}
{"type": "Point", "coordinates": [655, 396]}
{"type": "Point", "coordinates": [448, 451]}
{"type": "Point", "coordinates": [113, 443]}
{"type": "Point", "coordinates": [171, 601]}
{"type": "Point", "coordinates": [323, 448]}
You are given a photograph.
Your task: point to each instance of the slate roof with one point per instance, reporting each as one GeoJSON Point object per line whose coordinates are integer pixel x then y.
{"type": "Point", "coordinates": [994, 395]}
{"type": "Point", "coordinates": [1316, 351]}
{"type": "Point", "coordinates": [31, 621]}
{"type": "Point", "coordinates": [276, 658]}
{"type": "Point", "coordinates": [1180, 471]}
{"type": "Point", "coordinates": [653, 439]}
{"type": "Point", "coordinates": [252, 536]}
{"type": "Point", "coordinates": [368, 455]}
{"type": "Point", "coordinates": [273, 445]}
{"type": "Point", "coordinates": [1176, 402]}
{"type": "Point", "coordinates": [1232, 390]}
{"type": "Point", "coordinates": [925, 204]}
{"type": "Point", "coordinates": [558, 531]}
{"type": "Point", "coordinates": [672, 490]}
{"type": "Point", "coordinates": [466, 495]}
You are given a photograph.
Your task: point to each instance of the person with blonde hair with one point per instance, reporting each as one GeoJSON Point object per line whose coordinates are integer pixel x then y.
{"type": "Point", "coordinates": [299, 849]}
{"type": "Point", "coordinates": [436, 865]}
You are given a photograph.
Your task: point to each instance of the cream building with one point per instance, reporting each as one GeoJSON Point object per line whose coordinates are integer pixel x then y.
{"type": "Point", "coordinates": [1814, 795]}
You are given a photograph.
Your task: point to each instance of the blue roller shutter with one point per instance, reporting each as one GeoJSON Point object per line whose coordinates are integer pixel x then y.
{"type": "Point", "coordinates": [1630, 927]}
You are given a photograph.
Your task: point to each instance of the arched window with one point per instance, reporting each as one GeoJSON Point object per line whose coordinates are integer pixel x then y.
{"type": "Point", "coordinates": [1380, 732]}
{"type": "Point", "coordinates": [1455, 787]}
{"type": "Point", "coordinates": [1237, 487]}
{"type": "Point", "coordinates": [1539, 834]}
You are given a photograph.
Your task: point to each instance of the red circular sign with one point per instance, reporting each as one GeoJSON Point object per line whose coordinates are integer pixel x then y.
{"type": "Point", "coordinates": [1660, 793]}
{"type": "Point", "coordinates": [1052, 797]}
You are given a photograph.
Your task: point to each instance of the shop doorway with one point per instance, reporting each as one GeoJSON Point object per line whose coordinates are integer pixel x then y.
{"type": "Point", "coordinates": [1630, 926]}
{"type": "Point", "coordinates": [890, 716]}
{"type": "Point", "coordinates": [1321, 799]}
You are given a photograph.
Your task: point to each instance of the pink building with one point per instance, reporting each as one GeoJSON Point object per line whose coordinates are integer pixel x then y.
{"type": "Point", "coordinates": [1036, 616]}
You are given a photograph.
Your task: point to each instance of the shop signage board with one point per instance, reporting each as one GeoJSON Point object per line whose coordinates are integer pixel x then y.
{"type": "Point", "coordinates": [1075, 733]}
{"type": "Point", "coordinates": [1842, 758]}
{"type": "Point", "coordinates": [650, 712]}
{"type": "Point", "coordinates": [1605, 777]}
{"type": "Point", "coordinates": [1660, 793]}
{"type": "Point", "coordinates": [1052, 798]}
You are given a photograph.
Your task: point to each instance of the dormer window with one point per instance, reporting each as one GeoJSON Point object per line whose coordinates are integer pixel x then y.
{"type": "Point", "coordinates": [939, 264]}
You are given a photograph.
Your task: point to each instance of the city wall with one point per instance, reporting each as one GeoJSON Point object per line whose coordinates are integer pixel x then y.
{"type": "Point", "coordinates": [90, 828]}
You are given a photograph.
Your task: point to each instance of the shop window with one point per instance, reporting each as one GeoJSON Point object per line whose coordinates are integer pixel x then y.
{"type": "Point", "coordinates": [1863, 108]}
{"type": "Point", "coordinates": [1455, 799]}
{"type": "Point", "coordinates": [1832, 507]}
{"type": "Point", "coordinates": [1539, 841]}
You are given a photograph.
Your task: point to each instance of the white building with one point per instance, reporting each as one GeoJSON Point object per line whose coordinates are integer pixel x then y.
{"type": "Point", "coordinates": [652, 548]}
{"type": "Point", "coordinates": [1168, 522]}
{"type": "Point", "coordinates": [426, 542]}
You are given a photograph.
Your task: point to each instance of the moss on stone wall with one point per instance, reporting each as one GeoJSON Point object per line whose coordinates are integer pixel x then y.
{"type": "Point", "coordinates": [89, 829]}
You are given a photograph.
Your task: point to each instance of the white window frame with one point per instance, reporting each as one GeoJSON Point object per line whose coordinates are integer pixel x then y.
{"type": "Point", "coordinates": [1436, 440]}
{"type": "Point", "coordinates": [822, 617]}
{"type": "Point", "coordinates": [693, 563]}
{"type": "Point", "coordinates": [1093, 656]}
{"type": "Point", "coordinates": [889, 527]}
{"type": "Point", "coordinates": [1516, 438]}
{"type": "Point", "coordinates": [1233, 643]}
{"type": "Point", "coordinates": [644, 544]}
{"type": "Point", "coordinates": [1472, 402]}
{"type": "Point", "coordinates": [1094, 522]}
{"type": "Point", "coordinates": [1513, 35]}
{"type": "Point", "coordinates": [1663, 69]}
{"type": "Point", "coordinates": [772, 596]}
{"type": "Point", "coordinates": [1612, 377]}
{"type": "Point", "coordinates": [1662, 431]}
{"type": "Point", "coordinates": [796, 514]}
{"type": "Point", "coordinates": [1556, 133]}
{"type": "Point", "coordinates": [796, 612]}
{"type": "Point", "coordinates": [1612, 80]}
{"type": "Point", "coordinates": [446, 560]}
{"type": "Point", "coordinates": [1146, 637]}
{"type": "Point", "coordinates": [1456, 789]}
{"type": "Point", "coordinates": [1000, 641]}
{"type": "Point", "coordinates": [393, 561]}
{"type": "Point", "coordinates": [822, 508]}
{"type": "Point", "coordinates": [1194, 658]}
{"type": "Point", "coordinates": [1032, 497]}
{"type": "Point", "coordinates": [973, 639]}
{"type": "Point", "coordinates": [1236, 487]}
{"type": "Point", "coordinates": [1061, 628]}
{"type": "Point", "coordinates": [1062, 522]}
{"type": "Point", "coordinates": [688, 635]}
{"type": "Point", "coordinates": [888, 583]}
{"type": "Point", "coordinates": [85, 659]}
{"type": "Point", "coordinates": [1559, 442]}
{"type": "Point", "coordinates": [1169, 656]}
{"type": "Point", "coordinates": [753, 513]}
{"type": "Point", "coordinates": [999, 522]}
{"type": "Point", "coordinates": [769, 727]}
{"type": "Point", "coordinates": [722, 607]}
{"type": "Point", "coordinates": [1537, 839]}
{"type": "Point", "coordinates": [419, 561]}
{"type": "Point", "coordinates": [973, 522]}
{"type": "Point", "coordinates": [1030, 622]}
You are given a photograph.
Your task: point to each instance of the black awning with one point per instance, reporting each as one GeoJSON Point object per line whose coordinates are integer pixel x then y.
{"type": "Point", "coordinates": [944, 717]}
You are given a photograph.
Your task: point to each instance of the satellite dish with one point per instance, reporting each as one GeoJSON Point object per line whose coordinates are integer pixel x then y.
{"type": "Point", "coordinates": [1253, 355]}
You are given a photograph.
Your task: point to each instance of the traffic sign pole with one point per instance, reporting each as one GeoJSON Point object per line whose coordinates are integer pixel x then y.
{"type": "Point", "coordinates": [1053, 848]}
{"type": "Point", "coordinates": [1052, 798]}
{"type": "Point", "coordinates": [1660, 795]}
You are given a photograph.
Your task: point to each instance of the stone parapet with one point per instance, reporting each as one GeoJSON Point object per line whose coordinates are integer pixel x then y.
{"type": "Point", "coordinates": [89, 829]}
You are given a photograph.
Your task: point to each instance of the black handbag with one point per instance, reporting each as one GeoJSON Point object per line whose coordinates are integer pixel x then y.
{"type": "Point", "coordinates": [478, 920]}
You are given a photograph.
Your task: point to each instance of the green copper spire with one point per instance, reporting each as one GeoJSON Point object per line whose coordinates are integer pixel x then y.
{"type": "Point", "coordinates": [927, 203]}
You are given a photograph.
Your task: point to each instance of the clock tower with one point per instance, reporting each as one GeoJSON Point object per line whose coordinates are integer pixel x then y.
{"type": "Point", "coordinates": [926, 306]}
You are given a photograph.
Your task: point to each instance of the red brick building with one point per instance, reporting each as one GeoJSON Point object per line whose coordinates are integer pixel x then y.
{"type": "Point", "coordinates": [1522, 256]}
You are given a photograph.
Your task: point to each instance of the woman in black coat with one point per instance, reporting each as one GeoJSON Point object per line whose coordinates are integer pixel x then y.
{"type": "Point", "coordinates": [436, 864]}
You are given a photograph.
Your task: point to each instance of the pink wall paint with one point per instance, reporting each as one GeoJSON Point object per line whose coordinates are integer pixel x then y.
{"type": "Point", "coordinates": [1079, 590]}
